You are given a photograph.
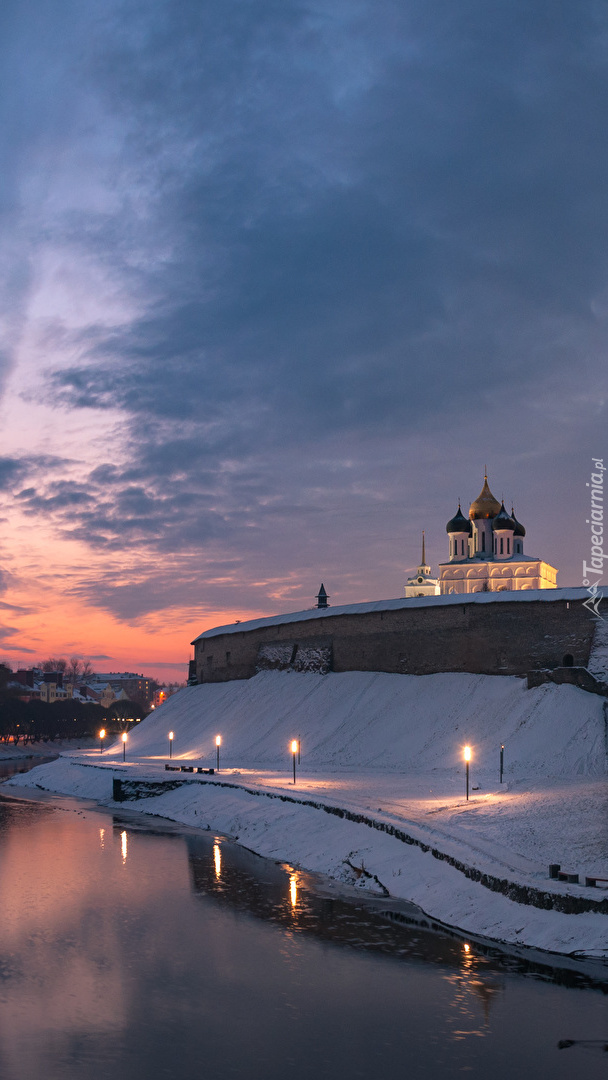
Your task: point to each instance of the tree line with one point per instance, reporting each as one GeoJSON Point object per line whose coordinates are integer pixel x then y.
{"type": "Point", "coordinates": [34, 721]}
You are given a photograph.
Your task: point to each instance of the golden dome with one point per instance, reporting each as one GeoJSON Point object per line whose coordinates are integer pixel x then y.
{"type": "Point", "coordinates": [485, 505]}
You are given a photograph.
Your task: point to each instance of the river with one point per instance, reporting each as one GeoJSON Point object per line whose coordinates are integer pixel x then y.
{"type": "Point", "coordinates": [134, 949]}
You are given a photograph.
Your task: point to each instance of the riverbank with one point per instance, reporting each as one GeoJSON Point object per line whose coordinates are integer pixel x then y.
{"type": "Point", "coordinates": [425, 843]}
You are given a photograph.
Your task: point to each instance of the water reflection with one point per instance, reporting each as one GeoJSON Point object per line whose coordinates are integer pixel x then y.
{"type": "Point", "coordinates": [195, 957]}
{"type": "Point", "coordinates": [468, 990]}
{"type": "Point", "coordinates": [277, 893]}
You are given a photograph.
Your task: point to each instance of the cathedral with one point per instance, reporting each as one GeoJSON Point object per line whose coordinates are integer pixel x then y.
{"type": "Point", "coordinates": [486, 552]}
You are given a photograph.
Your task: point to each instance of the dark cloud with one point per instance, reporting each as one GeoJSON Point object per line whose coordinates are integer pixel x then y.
{"type": "Point", "coordinates": [365, 247]}
{"type": "Point", "coordinates": [11, 470]}
{"type": "Point", "coordinates": [331, 232]}
{"type": "Point", "coordinates": [164, 664]}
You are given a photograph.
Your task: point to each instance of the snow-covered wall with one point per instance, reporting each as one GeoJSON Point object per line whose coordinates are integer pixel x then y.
{"type": "Point", "coordinates": [501, 633]}
{"type": "Point", "coordinates": [371, 719]}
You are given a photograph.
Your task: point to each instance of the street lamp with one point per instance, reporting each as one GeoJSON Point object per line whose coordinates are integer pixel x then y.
{"type": "Point", "coordinates": [294, 750]}
{"type": "Point", "coordinates": [218, 743]}
{"type": "Point", "coordinates": [502, 760]}
{"type": "Point", "coordinates": [102, 735]}
{"type": "Point", "coordinates": [124, 746]}
{"type": "Point", "coordinates": [467, 758]}
{"type": "Point", "coordinates": [170, 744]}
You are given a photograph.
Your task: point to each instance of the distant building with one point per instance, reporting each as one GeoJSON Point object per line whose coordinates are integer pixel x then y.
{"type": "Point", "coordinates": [486, 551]}
{"type": "Point", "coordinates": [107, 696]}
{"type": "Point", "coordinates": [134, 685]}
{"type": "Point", "coordinates": [25, 676]}
{"type": "Point", "coordinates": [422, 583]}
{"type": "Point", "coordinates": [52, 687]}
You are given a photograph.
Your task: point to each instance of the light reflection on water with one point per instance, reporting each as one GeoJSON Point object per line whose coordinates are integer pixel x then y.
{"type": "Point", "coordinates": [193, 957]}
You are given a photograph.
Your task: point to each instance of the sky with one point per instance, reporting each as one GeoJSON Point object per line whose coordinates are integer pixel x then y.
{"type": "Point", "coordinates": [279, 279]}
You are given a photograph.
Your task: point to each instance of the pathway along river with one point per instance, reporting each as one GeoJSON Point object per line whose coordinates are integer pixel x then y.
{"type": "Point", "coordinates": [131, 949]}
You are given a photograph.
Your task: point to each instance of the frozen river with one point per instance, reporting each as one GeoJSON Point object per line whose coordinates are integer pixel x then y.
{"type": "Point", "coordinates": [132, 950]}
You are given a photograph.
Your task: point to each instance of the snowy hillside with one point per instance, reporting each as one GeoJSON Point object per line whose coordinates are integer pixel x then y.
{"type": "Point", "coordinates": [380, 721]}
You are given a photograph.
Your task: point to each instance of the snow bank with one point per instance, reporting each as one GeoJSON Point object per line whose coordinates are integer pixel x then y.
{"type": "Point", "coordinates": [10, 752]}
{"type": "Point", "coordinates": [410, 723]}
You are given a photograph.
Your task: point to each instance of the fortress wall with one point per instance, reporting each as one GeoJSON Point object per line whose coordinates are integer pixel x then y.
{"type": "Point", "coordinates": [489, 639]}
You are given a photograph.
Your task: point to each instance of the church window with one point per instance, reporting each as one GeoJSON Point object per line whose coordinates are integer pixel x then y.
{"type": "Point", "coordinates": [508, 545]}
{"type": "Point", "coordinates": [462, 547]}
{"type": "Point", "coordinates": [501, 543]}
{"type": "Point", "coordinates": [483, 541]}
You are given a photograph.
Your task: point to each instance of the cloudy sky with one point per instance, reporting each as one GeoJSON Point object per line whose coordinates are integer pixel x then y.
{"type": "Point", "coordinates": [278, 279]}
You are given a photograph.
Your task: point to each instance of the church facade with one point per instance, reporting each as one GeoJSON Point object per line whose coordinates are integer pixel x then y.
{"type": "Point", "coordinates": [486, 552]}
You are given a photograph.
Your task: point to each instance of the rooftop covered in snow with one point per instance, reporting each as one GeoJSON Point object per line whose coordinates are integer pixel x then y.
{"type": "Point", "coordinates": [579, 594]}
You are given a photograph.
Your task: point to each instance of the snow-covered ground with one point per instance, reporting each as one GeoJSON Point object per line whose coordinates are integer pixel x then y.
{"type": "Point", "coordinates": [391, 748]}
{"type": "Point", "coordinates": [10, 752]}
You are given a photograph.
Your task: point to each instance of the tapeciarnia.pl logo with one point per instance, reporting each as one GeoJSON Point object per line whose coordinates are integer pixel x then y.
{"type": "Point", "coordinates": [595, 567]}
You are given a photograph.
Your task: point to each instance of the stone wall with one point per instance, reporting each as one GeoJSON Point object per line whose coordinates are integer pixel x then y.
{"type": "Point", "coordinates": [575, 676]}
{"type": "Point", "coordinates": [491, 639]}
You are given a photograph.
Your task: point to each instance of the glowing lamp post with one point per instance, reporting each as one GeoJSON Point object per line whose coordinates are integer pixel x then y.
{"type": "Point", "coordinates": [467, 760]}
{"type": "Point", "coordinates": [294, 751]}
{"type": "Point", "coordinates": [502, 760]}
{"type": "Point", "coordinates": [218, 743]}
{"type": "Point", "coordinates": [170, 744]}
{"type": "Point", "coordinates": [124, 746]}
{"type": "Point", "coordinates": [102, 735]}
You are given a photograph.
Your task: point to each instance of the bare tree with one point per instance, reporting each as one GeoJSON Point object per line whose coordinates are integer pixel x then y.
{"type": "Point", "coordinates": [78, 671]}
{"type": "Point", "coordinates": [173, 687]}
{"type": "Point", "coordinates": [53, 664]}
